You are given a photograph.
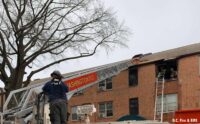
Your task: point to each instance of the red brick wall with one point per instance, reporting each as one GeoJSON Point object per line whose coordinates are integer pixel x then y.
{"type": "Point", "coordinates": [190, 82]}
{"type": "Point", "coordinates": [121, 93]}
{"type": "Point", "coordinates": [146, 90]}
{"type": "Point", "coordinates": [187, 86]}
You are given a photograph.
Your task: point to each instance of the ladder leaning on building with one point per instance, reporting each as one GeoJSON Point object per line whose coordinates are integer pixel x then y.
{"type": "Point", "coordinates": [159, 97]}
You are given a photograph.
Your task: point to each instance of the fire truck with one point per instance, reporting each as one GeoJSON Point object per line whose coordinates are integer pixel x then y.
{"type": "Point", "coordinates": [27, 104]}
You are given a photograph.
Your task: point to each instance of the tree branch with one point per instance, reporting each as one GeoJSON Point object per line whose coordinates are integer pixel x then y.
{"type": "Point", "coordinates": [4, 53]}
{"type": "Point", "coordinates": [7, 12]}
{"type": "Point", "coordinates": [31, 29]}
{"type": "Point", "coordinates": [56, 62]}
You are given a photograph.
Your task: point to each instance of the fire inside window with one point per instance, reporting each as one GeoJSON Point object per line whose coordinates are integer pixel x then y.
{"type": "Point", "coordinates": [167, 69]}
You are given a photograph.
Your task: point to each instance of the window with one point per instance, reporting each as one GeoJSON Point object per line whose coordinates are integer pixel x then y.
{"type": "Point", "coordinates": [169, 103]}
{"type": "Point", "coordinates": [105, 84]}
{"type": "Point", "coordinates": [168, 69]}
{"type": "Point", "coordinates": [78, 112]}
{"type": "Point", "coordinates": [74, 115]}
{"type": "Point", "coordinates": [105, 109]}
{"type": "Point", "coordinates": [133, 76]}
{"type": "Point", "coordinates": [133, 106]}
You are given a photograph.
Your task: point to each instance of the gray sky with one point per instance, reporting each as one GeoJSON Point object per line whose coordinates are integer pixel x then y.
{"type": "Point", "coordinates": [156, 25]}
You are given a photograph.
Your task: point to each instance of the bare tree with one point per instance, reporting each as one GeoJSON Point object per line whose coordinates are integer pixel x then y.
{"type": "Point", "coordinates": [62, 29]}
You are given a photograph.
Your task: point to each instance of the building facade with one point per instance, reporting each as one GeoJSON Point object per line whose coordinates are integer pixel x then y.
{"type": "Point", "coordinates": [133, 91]}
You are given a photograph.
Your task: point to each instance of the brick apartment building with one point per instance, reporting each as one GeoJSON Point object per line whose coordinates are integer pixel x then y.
{"type": "Point", "coordinates": [133, 91]}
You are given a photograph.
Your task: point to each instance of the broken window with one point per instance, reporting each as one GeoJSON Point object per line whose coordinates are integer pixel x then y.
{"type": "Point", "coordinates": [167, 69]}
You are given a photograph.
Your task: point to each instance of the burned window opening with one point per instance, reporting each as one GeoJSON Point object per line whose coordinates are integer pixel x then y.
{"type": "Point", "coordinates": [168, 69]}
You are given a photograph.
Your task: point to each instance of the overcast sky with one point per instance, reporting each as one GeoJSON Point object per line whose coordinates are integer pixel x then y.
{"type": "Point", "coordinates": [156, 25]}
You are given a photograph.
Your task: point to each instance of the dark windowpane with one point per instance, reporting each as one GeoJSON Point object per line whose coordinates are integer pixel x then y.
{"type": "Point", "coordinates": [109, 113]}
{"type": "Point", "coordinates": [109, 85]}
{"type": "Point", "coordinates": [134, 106]}
{"type": "Point", "coordinates": [105, 84]}
{"type": "Point", "coordinates": [109, 80]}
{"type": "Point", "coordinates": [133, 76]}
{"type": "Point", "coordinates": [109, 105]}
{"type": "Point", "coordinates": [102, 106]}
{"type": "Point", "coordinates": [168, 69]}
{"type": "Point", "coordinates": [102, 83]}
{"type": "Point", "coordinates": [74, 116]}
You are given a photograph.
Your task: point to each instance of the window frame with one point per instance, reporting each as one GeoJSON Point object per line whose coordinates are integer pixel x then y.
{"type": "Point", "coordinates": [79, 116]}
{"type": "Point", "coordinates": [132, 82]}
{"type": "Point", "coordinates": [135, 112]}
{"type": "Point", "coordinates": [167, 105]}
{"type": "Point", "coordinates": [167, 66]}
{"type": "Point", "coordinates": [106, 109]}
{"type": "Point", "coordinates": [72, 113]}
{"type": "Point", "coordinates": [105, 84]}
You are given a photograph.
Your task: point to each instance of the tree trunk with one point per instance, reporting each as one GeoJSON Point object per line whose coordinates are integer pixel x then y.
{"type": "Point", "coordinates": [15, 81]}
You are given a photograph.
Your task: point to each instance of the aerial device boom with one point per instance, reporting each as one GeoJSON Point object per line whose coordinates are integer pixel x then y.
{"type": "Point", "coordinates": [20, 103]}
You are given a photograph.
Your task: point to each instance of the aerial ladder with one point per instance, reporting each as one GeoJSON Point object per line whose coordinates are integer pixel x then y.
{"type": "Point", "coordinates": [20, 105]}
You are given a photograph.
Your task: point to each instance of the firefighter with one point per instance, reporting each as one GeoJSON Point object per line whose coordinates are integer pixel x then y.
{"type": "Point", "coordinates": [56, 91]}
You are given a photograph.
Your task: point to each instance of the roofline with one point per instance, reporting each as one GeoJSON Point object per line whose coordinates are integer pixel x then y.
{"type": "Point", "coordinates": [165, 59]}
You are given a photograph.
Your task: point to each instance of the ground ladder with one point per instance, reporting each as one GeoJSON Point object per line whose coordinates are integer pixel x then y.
{"type": "Point", "coordinates": [159, 97]}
